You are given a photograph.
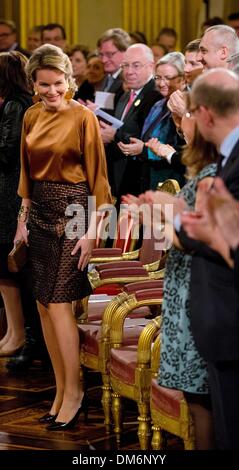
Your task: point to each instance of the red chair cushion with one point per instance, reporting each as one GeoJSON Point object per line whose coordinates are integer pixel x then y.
{"type": "Point", "coordinates": [110, 289]}
{"type": "Point", "coordinates": [123, 363]}
{"type": "Point", "coordinates": [118, 264]}
{"type": "Point", "coordinates": [97, 305]}
{"type": "Point", "coordinates": [96, 310]}
{"type": "Point", "coordinates": [140, 285]}
{"type": "Point", "coordinates": [123, 272]}
{"type": "Point", "coordinates": [148, 294]}
{"type": "Point", "coordinates": [166, 400]}
{"type": "Point", "coordinates": [105, 252]}
{"type": "Point", "coordinates": [90, 334]}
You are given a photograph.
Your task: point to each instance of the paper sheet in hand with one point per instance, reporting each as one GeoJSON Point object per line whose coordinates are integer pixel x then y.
{"type": "Point", "coordinates": [104, 99]}
{"type": "Point", "coordinates": [108, 119]}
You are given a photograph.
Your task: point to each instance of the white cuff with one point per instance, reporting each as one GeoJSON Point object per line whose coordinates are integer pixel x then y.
{"type": "Point", "coordinates": [169, 156]}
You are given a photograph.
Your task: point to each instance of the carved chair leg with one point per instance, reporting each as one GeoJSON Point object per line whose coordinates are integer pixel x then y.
{"type": "Point", "coordinates": [117, 415]}
{"type": "Point", "coordinates": [157, 440]}
{"type": "Point", "coordinates": [106, 404]}
{"type": "Point", "coordinates": [144, 430]}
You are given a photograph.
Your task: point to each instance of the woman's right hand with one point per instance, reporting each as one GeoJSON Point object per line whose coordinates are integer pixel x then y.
{"type": "Point", "coordinates": [21, 233]}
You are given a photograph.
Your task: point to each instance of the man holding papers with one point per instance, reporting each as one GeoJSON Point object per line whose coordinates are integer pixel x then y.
{"type": "Point", "coordinates": [132, 108]}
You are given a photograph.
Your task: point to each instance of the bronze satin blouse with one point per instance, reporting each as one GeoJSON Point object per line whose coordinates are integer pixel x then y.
{"type": "Point", "coordinates": [63, 146]}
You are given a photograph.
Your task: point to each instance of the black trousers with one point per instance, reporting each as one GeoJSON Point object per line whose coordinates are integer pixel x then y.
{"type": "Point", "coordinates": [224, 382]}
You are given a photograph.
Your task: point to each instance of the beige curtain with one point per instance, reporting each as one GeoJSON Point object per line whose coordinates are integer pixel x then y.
{"type": "Point", "coordinates": [150, 16]}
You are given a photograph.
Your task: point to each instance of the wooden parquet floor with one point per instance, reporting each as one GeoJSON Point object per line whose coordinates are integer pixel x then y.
{"type": "Point", "coordinates": [24, 398]}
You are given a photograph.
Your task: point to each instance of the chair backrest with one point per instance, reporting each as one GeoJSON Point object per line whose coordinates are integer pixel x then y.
{"type": "Point", "coordinates": [149, 251]}
{"type": "Point", "coordinates": [104, 226]}
{"type": "Point", "coordinates": [127, 231]}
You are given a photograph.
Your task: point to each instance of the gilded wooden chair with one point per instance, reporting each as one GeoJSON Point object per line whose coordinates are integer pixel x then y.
{"type": "Point", "coordinates": [130, 365]}
{"type": "Point", "coordinates": [126, 236]}
{"type": "Point", "coordinates": [169, 409]}
{"type": "Point", "coordinates": [95, 335]}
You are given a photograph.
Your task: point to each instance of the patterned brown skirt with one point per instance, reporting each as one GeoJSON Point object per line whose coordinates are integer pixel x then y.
{"type": "Point", "coordinates": [56, 278]}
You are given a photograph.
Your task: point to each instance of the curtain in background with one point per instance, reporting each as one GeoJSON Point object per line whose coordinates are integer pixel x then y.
{"type": "Point", "coordinates": [50, 11]}
{"type": "Point", "coordinates": [150, 16]}
{"type": "Point", "coordinates": [28, 13]}
{"type": "Point", "coordinates": [146, 15]}
{"type": "Point", "coordinates": [230, 6]}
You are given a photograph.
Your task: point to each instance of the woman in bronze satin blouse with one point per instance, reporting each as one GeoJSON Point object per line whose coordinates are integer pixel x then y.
{"type": "Point", "coordinates": [62, 163]}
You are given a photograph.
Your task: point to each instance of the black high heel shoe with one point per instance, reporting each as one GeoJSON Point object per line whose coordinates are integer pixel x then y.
{"type": "Point", "coordinates": [59, 426]}
{"type": "Point", "coordinates": [47, 418]}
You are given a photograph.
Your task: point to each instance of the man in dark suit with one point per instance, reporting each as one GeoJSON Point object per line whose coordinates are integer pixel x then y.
{"type": "Point", "coordinates": [214, 303]}
{"type": "Point", "coordinates": [112, 46]}
{"type": "Point", "coordinates": [132, 108]}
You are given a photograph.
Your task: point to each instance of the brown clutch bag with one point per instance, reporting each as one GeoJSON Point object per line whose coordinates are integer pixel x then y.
{"type": "Point", "coordinates": [17, 258]}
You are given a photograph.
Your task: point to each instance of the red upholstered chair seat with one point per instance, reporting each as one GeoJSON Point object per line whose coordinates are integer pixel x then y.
{"type": "Point", "coordinates": [107, 252]}
{"type": "Point", "coordinates": [90, 334]}
{"type": "Point", "coordinates": [97, 305]}
{"type": "Point", "coordinates": [118, 264]}
{"type": "Point", "coordinates": [166, 400]}
{"type": "Point", "coordinates": [123, 363]}
{"type": "Point", "coordinates": [170, 412]}
{"type": "Point", "coordinates": [96, 309]}
{"type": "Point", "coordinates": [148, 284]}
{"type": "Point", "coordinates": [110, 289]}
{"type": "Point", "coordinates": [114, 289]}
{"type": "Point", "coordinates": [123, 272]}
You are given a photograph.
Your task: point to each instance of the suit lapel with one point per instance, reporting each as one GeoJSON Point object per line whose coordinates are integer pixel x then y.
{"type": "Point", "coordinates": [230, 162]}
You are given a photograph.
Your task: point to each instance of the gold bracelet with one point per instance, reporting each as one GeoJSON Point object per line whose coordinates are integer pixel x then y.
{"type": "Point", "coordinates": [23, 214]}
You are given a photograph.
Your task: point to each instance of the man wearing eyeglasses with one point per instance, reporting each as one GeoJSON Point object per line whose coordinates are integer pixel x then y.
{"type": "Point", "coordinates": [112, 46]}
{"type": "Point", "coordinates": [8, 38]}
{"type": "Point", "coordinates": [217, 45]}
{"type": "Point", "coordinates": [133, 107]}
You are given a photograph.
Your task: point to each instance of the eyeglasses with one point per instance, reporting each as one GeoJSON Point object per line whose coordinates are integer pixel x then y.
{"type": "Point", "coordinates": [165, 79]}
{"type": "Point", "coordinates": [134, 66]}
{"type": "Point", "coordinates": [5, 35]}
{"type": "Point", "coordinates": [109, 55]}
{"type": "Point", "coordinates": [190, 112]}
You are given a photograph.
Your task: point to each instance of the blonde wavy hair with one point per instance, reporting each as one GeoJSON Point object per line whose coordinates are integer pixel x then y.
{"type": "Point", "coordinates": [52, 58]}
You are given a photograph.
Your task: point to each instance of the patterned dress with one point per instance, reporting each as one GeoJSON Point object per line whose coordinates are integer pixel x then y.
{"type": "Point", "coordinates": [181, 366]}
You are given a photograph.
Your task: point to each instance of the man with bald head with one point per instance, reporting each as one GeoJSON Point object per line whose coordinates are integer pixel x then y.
{"type": "Point", "coordinates": [218, 43]}
{"type": "Point", "coordinates": [214, 303]}
{"type": "Point", "coordinates": [132, 108]}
